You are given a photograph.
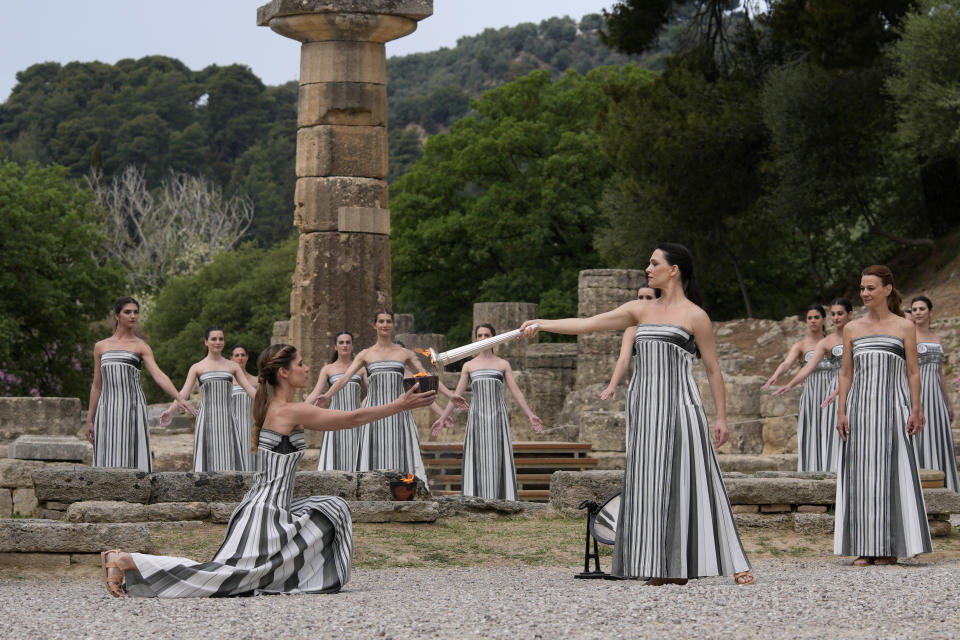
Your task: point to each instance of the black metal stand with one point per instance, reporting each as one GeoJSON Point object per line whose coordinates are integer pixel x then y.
{"type": "Point", "coordinates": [592, 509]}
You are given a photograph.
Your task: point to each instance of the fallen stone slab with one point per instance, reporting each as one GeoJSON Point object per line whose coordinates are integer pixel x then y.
{"type": "Point", "coordinates": [215, 486]}
{"type": "Point", "coordinates": [112, 511]}
{"type": "Point", "coordinates": [452, 506]}
{"type": "Point", "coordinates": [326, 483]}
{"type": "Point", "coordinates": [49, 536]}
{"type": "Point", "coordinates": [813, 523]}
{"type": "Point", "coordinates": [51, 448]}
{"type": "Point", "coordinates": [746, 463]}
{"type": "Point", "coordinates": [781, 490]}
{"type": "Point", "coordinates": [47, 416]}
{"type": "Point", "coordinates": [804, 475]}
{"type": "Point", "coordinates": [941, 501]}
{"type": "Point", "coordinates": [85, 483]}
{"type": "Point", "coordinates": [394, 511]}
{"type": "Point", "coordinates": [763, 521]}
{"type": "Point", "coordinates": [220, 512]}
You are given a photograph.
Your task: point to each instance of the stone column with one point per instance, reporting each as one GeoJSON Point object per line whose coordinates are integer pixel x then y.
{"type": "Point", "coordinates": [343, 261]}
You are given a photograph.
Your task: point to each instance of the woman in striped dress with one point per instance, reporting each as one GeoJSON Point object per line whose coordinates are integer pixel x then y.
{"type": "Point", "coordinates": [809, 412]}
{"type": "Point", "coordinates": [216, 436]}
{"type": "Point", "coordinates": [626, 349]}
{"type": "Point", "coordinates": [241, 404]}
{"type": "Point", "coordinates": [820, 446]}
{"type": "Point", "coordinates": [488, 469]}
{"type": "Point", "coordinates": [934, 445]}
{"type": "Point", "coordinates": [338, 451]}
{"type": "Point", "coordinates": [274, 543]}
{"type": "Point", "coordinates": [391, 443]}
{"type": "Point", "coordinates": [880, 511]}
{"type": "Point", "coordinates": [117, 413]}
{"type": "Point", "coordinates": [675, 518]}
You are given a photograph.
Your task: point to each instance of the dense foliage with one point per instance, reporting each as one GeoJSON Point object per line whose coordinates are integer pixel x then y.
{"type": "Point", "coordinates": [51, 287]}
{"type": "Point", "coordinates": [244, 291]}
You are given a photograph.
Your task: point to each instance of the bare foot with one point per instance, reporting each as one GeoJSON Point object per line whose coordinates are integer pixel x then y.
{"type": "Point", "coordinates": [863, 561]}
{"type": "Point", "coordinates": [885, 560]}
{"type": "Point", "coordinates": [744, 577]}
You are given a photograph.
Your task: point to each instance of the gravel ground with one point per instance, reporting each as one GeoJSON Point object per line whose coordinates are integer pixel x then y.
{"type": "Point", "coordinates": [793, 598]}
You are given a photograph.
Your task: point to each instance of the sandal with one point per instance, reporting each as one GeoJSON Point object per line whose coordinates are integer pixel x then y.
{"type": "Point", "coordinates": [112, 581]}
{"type": "Point", "coordinates": [886, 560]}
{"type": "Point", "coordinates": [863, 561]}
{"type": "Point", "coordinates": [744, 577]}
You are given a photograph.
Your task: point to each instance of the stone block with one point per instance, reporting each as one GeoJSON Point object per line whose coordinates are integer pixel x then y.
{"type": "Point", "coordinates": [375, 486]}
{"type": "Point", "coordinates": [780, 491]}
{"type": "Point", "coordinates": [746, 437]}
{"type": "Point", "coordinates": [51, 448]}
{"type": "Point", "coordinates": [775, 508]}
{"type": "Point", "coordinates": [569, 488]}
{"type": "Point", "coordinates": [745, 463]}
{"type": "Point", "coordinates": [318, 201]}
{"type": "Point", "coordinates": [403, 322]}
{"type": "Point", "coordinates": [106, 511]}
{"type": "Point", "coordinates": [780, 435]}
{"type": "Point", "coordinates": [342, 484]}
{"type": "Point", "coordinates": [745, 508]}
{"type": "Point", "coordinates": [220, 512]}
{"type": "Point", "coordinates": [39, 416]}
{"type": "Point", "coordinates": [939, 528]}
{"type": "Point", "coordinates": [6, 503]}
{"type": "Point", "coordinates": [813, 523]}
{"type": "Point", "coordinates": [411, 9]}
{"type": "Point", "coordinates": [48, 561]}
{"type": "Point", "coordinates": [344, 103]}
{"type": "Point", "coordinates": [941, 501]}
{"type": "Point", "coordinates": [803, 475]}
{"type": "Point", "coordinates": [173, 461]}
{"type": "Point", "coordinates": [363, 220]}
{"type": "Point", "coordinates": [84, 483]}
{"type": "Point", "coordinates": [341, 61]}
{"type": "Point", "coordinates": [763, 520]}
{"type": "Point", "coordinates": [811, 508]}
{"type": "Point", "coordinates": [24, 501]}
{"type": "Point", "coordinates": [392, 511]}
{"type": "Point", "coordinates": [551, 355]}
{"type": "Point", "coordinates": [772, 406]}
{"type": "Point", "coordinates": [199, 487]}
{"type": "Point", "coordinates": [48, 514]}
{"type": "Point", "coordinates": [335, 150]}
{"type": "Point", "coordinates": [46, 536]}
{"type": "Point", "coordinates": [56, 506]}
{"type": "Point", "coordinates": [609, 460]}
{"type": "Point", "coordinates": [604, 430]}
{"type": "Point", "coordinates": [281, 331]}
{"type": "Point", "coordinates": [473, 507]}
{"type": "Point", "coordinates": [17, 473]}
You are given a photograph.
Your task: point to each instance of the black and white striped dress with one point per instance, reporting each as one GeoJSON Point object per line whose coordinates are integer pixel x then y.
{"type": "Point", "coordinates": [488, 469]}
{"type": "Point", "coordinates": [216, 436]}
{"type": "Point", "coordinates": [242, 407]}
{"type": "Point", "coordinates": [675, 518]}
{"type": "Point", "coordinates": [817, 437]}
{"type": "Point", "coordinates": [338, 451]}
{"type": "Point", "coordinates": [880, 508]}
{"type": "Point", "coordinates": [274, 543]}
{"type": "Point", "coordinates": [121, 434]}
{"type": "Point", "coordinates": [934, 444]}
{"type": "Point", "coordinates": [392, 442]}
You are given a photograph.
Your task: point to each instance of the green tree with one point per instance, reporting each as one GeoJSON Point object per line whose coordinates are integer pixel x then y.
{"type": "Point", "coordinates": [244, 291]}
{"type": "Point", "coordinates": [51, 287]}
{"type": "Point", "coordinates": [505, 205]}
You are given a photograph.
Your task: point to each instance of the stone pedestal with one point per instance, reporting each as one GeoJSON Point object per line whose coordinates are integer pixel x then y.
{"type": "Point", "coordinates": [507, 316]}
{"type": "Point", "coordinates": [601, 290]}
{"type": "Point", "coordinates": [341, 210]}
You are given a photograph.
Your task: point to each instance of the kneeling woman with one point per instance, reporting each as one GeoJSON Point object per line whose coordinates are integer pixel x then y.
{"type": "Point", "coordinates": [675, 518]}
{"type": "Point", "coordinates": [274, 543]}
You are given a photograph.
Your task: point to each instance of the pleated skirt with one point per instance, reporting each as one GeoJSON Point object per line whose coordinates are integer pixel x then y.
{"type": "Point", "coordinates": [934, 444]}
{"type": "Point", "coordinates": [818, 443]}
{"type": "Point", "coordinates": [488, 467]}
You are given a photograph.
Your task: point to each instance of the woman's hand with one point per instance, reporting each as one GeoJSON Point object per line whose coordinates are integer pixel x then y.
{"type": "Point", "coordinates": [770, 381]}
{"type": "Point", "coordinates": [782, 390]}
{"type": "Point", "coordinates": [529, 329]}
{"type": "Point", "coordinates": [322, 401]}
{"type": "Point", "coordinates": [440, 424]}
{"type": "Point", "coordinates": [166, 416]}
{"type": "Point", "coordinates": [830, 398]}
{"type": "Point", "coordinates": [720, 431]}
{"type": "Point", "coordinates": [536, 423]}
{"type": "Point", "coordinates": [609, 392]}
{"type": "Point", "coordinates": [843, 425]}
{"type": "Point", "coordinates": [186, 407]}
{"type": "Point", "coordinates": [413, 400]}
{"type": "Point", "coordinates": [89, 431]}
{"type": "Point", "coordinates": [915, 422]}
{"type": "Point", "coordinates": [459, 402]}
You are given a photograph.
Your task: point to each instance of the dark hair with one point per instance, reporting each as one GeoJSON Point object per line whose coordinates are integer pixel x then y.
{"type": "Point", "coordinates": [819, 309]}
{"type": "Point", "coordinates": [925, 300]}
{"type": "Point", "coordinates": [894, 300]}
{"type": "Point", "coordinates": [119, 305]}
{"type": "Point", "coordinates": [273, 358]}
{"type": "Point", "coordinates": [842, 302]}
{"type": "Point", "coordinates": [382, 312]}
{"type": "Point", "coordinates": [485, 325]}
{"type": "Point", "coordinates": [679, 256]}
{"type": "Point", "coordinates": [206, 335]}
{"type": "Point", "coordinates": [335, 353]}
{"type": "Point", "coordinates": [239, 346]}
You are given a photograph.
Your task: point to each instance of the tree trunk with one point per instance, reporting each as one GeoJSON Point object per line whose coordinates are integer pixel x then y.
{"type": "Point", "coordinates": [740, 281]}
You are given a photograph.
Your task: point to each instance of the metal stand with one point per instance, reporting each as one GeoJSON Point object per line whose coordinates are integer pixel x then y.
{"type": "Point", "coordinates": [592, 509]}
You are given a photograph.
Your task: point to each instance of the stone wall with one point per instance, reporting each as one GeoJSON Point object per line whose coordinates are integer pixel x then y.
{"type": "Point", "coordinates": [40, 416]}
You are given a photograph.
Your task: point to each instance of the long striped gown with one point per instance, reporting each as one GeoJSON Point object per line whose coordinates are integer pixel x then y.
{"type": "Point", "coordinates": [934, 444]}
{"type": "Point", "coordinates": [121, 434]}
{"type": "Point", "coordinates": [675, 518]}
{"type": "Point", "coordinates": [880, 509]}
{"type": "Point", "coordinates": [488, 469]}
{"type": "Point", "coordinates": [389, 443]}
{"type": "Point", "coordinates": [241, 405]}
{"type": "Point", "coordinates": [338, 451]}
{"type": "Point", "coordinates": [817, 437]}
{"type": "Point", "coordinates": [274, 543]}
{"type": "Point", "coordinates": [216, 437]}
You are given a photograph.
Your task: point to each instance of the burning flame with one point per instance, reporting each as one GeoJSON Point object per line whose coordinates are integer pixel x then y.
{"type": "Point", "coordinates": [407, 479]}
{"type": "Point", "coordinates": [422, 374]}
{"type": "Point", "coordinates": [425, 352]}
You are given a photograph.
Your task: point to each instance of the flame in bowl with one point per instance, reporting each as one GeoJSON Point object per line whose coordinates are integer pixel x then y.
{"type": "Point", "coordinates": [407, 479]}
